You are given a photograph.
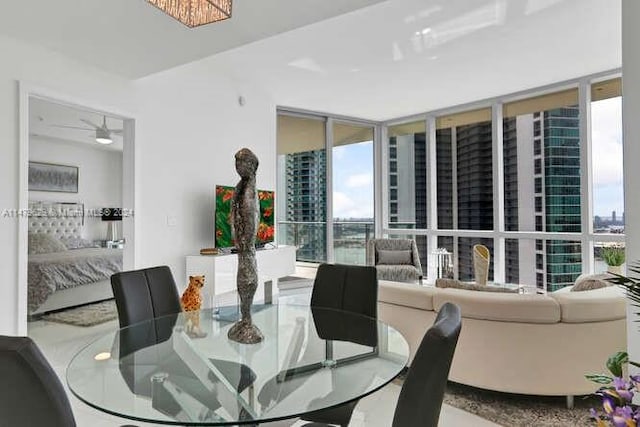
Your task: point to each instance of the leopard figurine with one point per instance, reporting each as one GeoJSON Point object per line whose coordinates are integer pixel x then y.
{"type": "Point", "coordinates": [191, 303]}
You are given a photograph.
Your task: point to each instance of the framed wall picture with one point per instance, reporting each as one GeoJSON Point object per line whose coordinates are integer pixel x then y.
{"type": "Point", "coordinates": [52, 177]}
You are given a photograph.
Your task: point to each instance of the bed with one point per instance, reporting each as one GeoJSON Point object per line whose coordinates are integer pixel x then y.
{"type": "Point", "coordinates": [64, 269]}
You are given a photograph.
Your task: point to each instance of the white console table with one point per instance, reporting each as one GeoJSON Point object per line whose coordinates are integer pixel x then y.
{"type": "Point", "coordinates": [220, 271]}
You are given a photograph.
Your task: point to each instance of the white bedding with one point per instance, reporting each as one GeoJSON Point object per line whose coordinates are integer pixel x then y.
{"type": "Point", "coordinates": [54, 271]}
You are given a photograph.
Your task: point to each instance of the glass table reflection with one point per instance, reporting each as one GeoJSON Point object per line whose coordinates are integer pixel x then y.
{"type": "Point", "coordinates": [310, 359]}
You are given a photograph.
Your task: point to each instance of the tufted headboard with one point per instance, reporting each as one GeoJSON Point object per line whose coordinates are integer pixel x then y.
{"type": "Point", "coordinates": [60, 219]}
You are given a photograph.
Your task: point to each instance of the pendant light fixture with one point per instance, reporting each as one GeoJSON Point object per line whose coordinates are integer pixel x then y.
{"type": "Point", "coordinates": [194, 13]}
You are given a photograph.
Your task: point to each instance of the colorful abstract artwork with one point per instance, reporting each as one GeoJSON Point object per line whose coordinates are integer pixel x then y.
{"type": "Point", "coordinates": [266, 228]}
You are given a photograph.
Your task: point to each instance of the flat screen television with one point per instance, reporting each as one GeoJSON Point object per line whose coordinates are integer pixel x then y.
{"type": "Point", "coordinates": [224, 237]}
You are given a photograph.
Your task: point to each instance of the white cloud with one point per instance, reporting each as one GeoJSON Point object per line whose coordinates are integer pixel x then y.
{"type": "Point", "coordinates": [607, 163]}
{"type": "Point", "coordinates": [606, 121]}
{"type": "Point", "coordinates": [339, 152]}
{"type": "Point", "coordinates": [345, 206]}
{"type": "Point", "coordinates": [359, 180]}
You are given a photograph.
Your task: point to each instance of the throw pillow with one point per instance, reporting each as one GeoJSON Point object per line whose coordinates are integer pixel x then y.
{"type": "Point", "coordinates": [394, 257]}
{"type": "Point", "coordinates": [456, 284]}
{"type": "Point", "coordinates": [590, 282]}
{"type": "Point", "coordinates": [41, 243]}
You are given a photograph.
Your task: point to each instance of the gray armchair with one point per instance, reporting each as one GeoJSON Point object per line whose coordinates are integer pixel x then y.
{"type": "Point", "coordinates": [395, 259]}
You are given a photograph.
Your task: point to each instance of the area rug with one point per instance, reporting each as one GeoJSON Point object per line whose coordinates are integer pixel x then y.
{"type": "Point", "coordinates": [515, 410]}
{"type": "Point", "coordinates": [86, 315]}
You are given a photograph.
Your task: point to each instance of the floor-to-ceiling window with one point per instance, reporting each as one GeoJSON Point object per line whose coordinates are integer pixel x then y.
{"type": "Point", "coordinates": [555, 200]}
{"type": "Point", "coordinates": [542, 191]}
{"type": "Point", "coordinates": [608, 188]}
{"type": "Point", "coordinates": [352, 182]}
{"type": "Point", "coordinates": [464, 162]}
{"type": "Point", "coordinates": [302, 186]}
{"type": "Point", "coordinates": [407, 181]}
{"type": "Point", "coordinates": [325, 198]}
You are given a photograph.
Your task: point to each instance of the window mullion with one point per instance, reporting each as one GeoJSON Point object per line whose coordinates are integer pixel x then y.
{"type": "Point", "coordinates": [432, 193]}
{"type": "Point", "coordinates": [586, 175]}
{"type": "Point", "coordinates": [329, 188]}
{"type": "Point", "coordinates": [499, 256]}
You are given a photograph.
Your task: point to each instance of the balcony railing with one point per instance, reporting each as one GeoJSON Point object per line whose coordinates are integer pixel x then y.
{"type": "Point", "coordinates": [350, 240]}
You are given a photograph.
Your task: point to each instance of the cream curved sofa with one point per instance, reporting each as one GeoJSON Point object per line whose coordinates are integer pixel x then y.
{"type": "Point", "coordinates": [527, 344]}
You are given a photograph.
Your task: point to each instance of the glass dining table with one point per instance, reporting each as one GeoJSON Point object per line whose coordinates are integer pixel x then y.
{"type": "Point", "coordinates": [161, 372]}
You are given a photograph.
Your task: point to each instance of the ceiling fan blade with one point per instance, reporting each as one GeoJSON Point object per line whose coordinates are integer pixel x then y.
{"type": "Point", "coordinates": [70, 127]}
{"type": "Point", "coordinates": [88, 122]}
{"type": "Point", "coordinates": [116, 131]}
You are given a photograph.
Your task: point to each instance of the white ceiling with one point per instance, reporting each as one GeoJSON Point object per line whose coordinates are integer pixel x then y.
{"type": "Point", "coordinates": [404, 57]}
{"type": "Point", "coordinates": [45, 117]}
{"type": "Point", "coordinates": [391, 59]}
{"type": "Point", "coordinates": [134, 39]}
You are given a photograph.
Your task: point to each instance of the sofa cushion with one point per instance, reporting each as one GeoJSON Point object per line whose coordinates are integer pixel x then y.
{"type": "Point", "coordinates": [524, 308]}
{"type": "Point", "coordinates": [453, 283]}
{"type": "Point", "coordinates": [406, 294]}
{"type": "Point", "coordinates": [397, 273]}
{"type": "Point", "coordinates": [394, 257]}
{"type": "Point", "coordinates": [597, 305]}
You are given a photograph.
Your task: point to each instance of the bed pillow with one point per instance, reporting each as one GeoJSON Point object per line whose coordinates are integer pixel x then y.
{"type": "Point", "coordinates": [456, 284]}
{"type": "Point", "coordinates": [41, 243]}
{"type": "Point", "coordinates": [394, 257]}
{"type": "Point", "coordinates": [78, 243]}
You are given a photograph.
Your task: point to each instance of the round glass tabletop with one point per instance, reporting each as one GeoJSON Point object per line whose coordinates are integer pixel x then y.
{"type": "Point", "coordinates": [166, 371]}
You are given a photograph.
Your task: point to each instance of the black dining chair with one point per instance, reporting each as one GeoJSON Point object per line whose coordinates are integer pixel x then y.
{"type": "Point", "coordinates": [421, 396]}
{"type": "Point", "coordinates": [151, 293]}
{"type": "Point", "coordinates": [420, 399]}
{"type": "Point", "coordinates": [145, 294]}
{"type": "Point", "coordinates": [349, 288]}
{"type": "Point", "coordinates": [31, 393]}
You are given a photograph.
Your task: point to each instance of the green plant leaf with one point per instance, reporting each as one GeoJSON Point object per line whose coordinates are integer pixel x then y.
{"type": "Point", "coordinates": [599, 379]}
{"type": "Point", "coordinates": [615, 363]}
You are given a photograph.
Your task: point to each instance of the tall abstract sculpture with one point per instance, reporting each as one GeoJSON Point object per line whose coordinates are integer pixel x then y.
{"type": "Point", "coordinates": [481, 259]}
{"type": "Point", "coordinates": [244, 215]}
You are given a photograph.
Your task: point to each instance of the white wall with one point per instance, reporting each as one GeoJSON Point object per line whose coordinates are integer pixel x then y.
{"type": "Point", "coordinates": [190, 126]}
{"type": "Point", "coordinates": [99, 178]}
{"type": "Point", "coordinates": [58, 74]}
{"type": "Point", "coordinates": [631, 138]}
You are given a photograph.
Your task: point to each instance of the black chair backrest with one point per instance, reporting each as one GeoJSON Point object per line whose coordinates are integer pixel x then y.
{"type": "Point", "coordinates": [145, 294]}
{"type": "Point", "coordinates": [421, 396]}
{"type": "Point", "coordinates": [31, 393]}
{"type": "Point", "coordinates": [345, 326]}
{"type": "Point", "coordinates": [346, 287]}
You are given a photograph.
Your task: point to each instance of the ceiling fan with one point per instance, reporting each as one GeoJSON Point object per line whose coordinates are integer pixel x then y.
{"type": "Point", "coordinates": [103, 133]}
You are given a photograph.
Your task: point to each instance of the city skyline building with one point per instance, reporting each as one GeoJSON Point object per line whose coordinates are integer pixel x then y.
{"type": "Point", "coordinates": [542, 193]}
{"type": "Point", "coordinates": [305, 206]}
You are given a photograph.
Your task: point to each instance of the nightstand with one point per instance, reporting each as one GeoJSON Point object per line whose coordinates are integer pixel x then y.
{"type": "Point", "coordinates": [111, 244]}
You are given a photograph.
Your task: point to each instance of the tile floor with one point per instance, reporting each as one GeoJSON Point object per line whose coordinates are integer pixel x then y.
{"type": "Point", "coordinates": [60, 342]}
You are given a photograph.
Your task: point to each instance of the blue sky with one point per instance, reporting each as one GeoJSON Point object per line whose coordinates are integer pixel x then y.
{"type": "Point", "coordinates": [353, 168]}
{"type": "Point", "coordinates": [606, 125]}
{"type": "Point", "coordinates": [353, 180]}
